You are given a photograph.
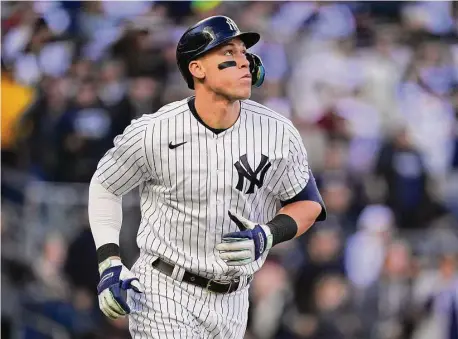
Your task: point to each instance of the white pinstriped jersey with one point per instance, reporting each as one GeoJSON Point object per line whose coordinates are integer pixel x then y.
{"type": "Point", "coordinates": [186, 190]}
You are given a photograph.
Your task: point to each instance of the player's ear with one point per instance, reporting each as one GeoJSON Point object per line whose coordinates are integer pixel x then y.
{"type": "Point", "coordinates": [197, 69]}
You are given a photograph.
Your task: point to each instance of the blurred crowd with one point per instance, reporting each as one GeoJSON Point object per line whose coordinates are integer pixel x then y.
{"type": "Point", "coordinates": [373, 89]}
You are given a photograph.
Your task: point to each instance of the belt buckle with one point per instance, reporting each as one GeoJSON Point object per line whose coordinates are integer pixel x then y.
{"type": "Point", "coordinates": [222, 282]}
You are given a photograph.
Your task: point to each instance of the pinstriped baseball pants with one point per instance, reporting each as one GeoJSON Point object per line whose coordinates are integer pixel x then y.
{"type": "Point", "coordinates": [170, 309]}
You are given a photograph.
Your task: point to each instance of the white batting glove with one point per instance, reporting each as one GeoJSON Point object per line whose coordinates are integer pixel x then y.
{"type": "Point", "coordinates": [246, 246]}
{"type": "Point", "coordinates": [115, 278]}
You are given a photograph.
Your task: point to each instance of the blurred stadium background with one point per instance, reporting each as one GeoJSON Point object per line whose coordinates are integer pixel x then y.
{"type": "Point", "coordinates": [373, 88]}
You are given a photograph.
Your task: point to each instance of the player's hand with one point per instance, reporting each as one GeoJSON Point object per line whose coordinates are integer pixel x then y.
{"type": "Point", "coordinates": [246, 246]}
{"type": "Point", "coordinates": [115, 278]}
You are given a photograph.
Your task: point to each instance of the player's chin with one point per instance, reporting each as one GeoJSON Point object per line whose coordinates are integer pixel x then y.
{"type": "Point", "coordinates": [242, 93]}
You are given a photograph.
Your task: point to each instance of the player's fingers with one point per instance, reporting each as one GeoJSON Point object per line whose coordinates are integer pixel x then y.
{"type": "Point", "coordinates": [136, 286]}
{"type": "Point", "coordinates": [110, 314]}
{"type": "Point", "coordinates": [131, 283]}
{"type": "Point", "coordinates": [239, 255]}
{"type": "Point", "coordinates": [237, 220]}
{"type": "Point", "coordinates": [119, 306]}
{"type": "Point", "coordinates": [112, 304]}
{"type": "Point", "coordinates": [106, 309]}
{"type": "Point", "coordinates": [238, 262]}
{"type": "Point", "coordinates": [235, 245]}
{"type": "Point", "coordinates": [241, 222]}
{"type": "Point", "coordinates": [237, 236]}
{"type": "Point", "coordinates": [102, 308]}
{"type": "Point", "coordinates": [118, 302]}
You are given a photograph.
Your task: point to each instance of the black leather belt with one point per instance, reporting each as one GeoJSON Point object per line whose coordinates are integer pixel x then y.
{"type": "Point", "coordinates": [218, 286]}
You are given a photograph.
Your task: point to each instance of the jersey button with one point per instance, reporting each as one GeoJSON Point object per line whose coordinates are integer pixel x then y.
{"type": "Point", "coordinates": [219, 202]}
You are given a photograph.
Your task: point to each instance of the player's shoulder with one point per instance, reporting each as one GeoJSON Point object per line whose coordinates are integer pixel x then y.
{"type": "Point", "coordinates": [147, 120]}
{"type": "Point", "coordinates": [165, 112]}
{"type": "Point", "coordinates": [264, 111]}
{"type": "Point", "coordinates": [169, 110]}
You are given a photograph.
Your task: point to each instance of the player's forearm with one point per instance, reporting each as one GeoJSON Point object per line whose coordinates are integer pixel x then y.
{"type": "Point", "coordinates": [293, 220]}
{"type": "Point", "coordinates": [105, 219]}
{"type": "Point", "coordinates": [304, 214]}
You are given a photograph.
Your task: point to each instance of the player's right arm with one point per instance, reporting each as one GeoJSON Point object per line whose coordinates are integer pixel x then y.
{"type": "Point", "coordinates": [121, 169]}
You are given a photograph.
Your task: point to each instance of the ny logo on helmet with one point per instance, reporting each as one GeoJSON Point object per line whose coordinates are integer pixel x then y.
{"type": "Point", "coordinates": [232, 25]}
{"type": "Point", "coordinates": [246, 172]}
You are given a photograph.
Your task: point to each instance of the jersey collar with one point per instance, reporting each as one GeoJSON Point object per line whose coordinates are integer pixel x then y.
{"type": "Point", "coordinates": [217, 131]}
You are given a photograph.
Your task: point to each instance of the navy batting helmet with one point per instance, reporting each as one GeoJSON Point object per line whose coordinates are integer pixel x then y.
{"type": "Point", "coordinates": [210, 33]}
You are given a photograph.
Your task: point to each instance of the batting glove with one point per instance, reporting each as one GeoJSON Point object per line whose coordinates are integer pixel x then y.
{"type": "Point", "coordinates": [115, 278]}
{"type": "Point", "coordinates": [246, 246]}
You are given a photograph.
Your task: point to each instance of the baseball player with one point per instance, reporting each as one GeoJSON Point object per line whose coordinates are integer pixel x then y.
{"type": "Point", "coordinates": [213, 171]}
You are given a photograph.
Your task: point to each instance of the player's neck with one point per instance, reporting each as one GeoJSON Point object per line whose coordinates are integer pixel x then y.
{"type": "Point", "coordinates": [217, 112]}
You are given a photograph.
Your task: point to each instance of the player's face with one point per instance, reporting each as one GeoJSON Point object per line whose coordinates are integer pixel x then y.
{"type": "Point", "coordinates": [227, 71]}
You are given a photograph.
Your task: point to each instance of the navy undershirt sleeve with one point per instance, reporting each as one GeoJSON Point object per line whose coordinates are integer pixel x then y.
{"type": "Point", "coordinates": [309, 193]}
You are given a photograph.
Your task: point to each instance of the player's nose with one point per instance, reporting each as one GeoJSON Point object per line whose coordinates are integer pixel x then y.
{"type": "Point", "coordinates": [243, 63]}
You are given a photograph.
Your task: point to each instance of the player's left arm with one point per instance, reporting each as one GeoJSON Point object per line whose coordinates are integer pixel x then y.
{"type": "Point", "coordinates": [305, 208]}
{"type": "Point", "coordinates": [302, 206]}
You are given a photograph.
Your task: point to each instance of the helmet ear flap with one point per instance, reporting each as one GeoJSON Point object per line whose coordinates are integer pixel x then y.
{"type": "Point", "coordinates": [257, 70]}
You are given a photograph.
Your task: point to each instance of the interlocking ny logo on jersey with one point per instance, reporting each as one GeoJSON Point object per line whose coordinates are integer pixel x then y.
{"type": "Point", "coordinates": [246, 172]}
